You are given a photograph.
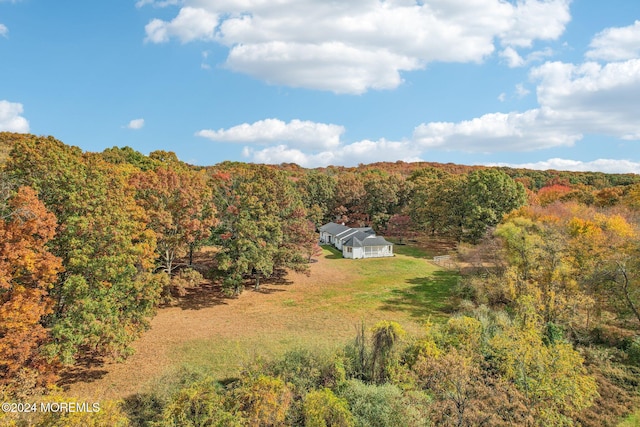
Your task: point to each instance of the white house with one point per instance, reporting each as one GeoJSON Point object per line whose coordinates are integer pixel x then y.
{"type": "Point", "coordinates": [355, 243]}
{"type": "Point", "coordinates": [328, 232]}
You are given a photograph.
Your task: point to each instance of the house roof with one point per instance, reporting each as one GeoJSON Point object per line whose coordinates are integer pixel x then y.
{"type": "Point", "coordinates": [355, 237]}
{"type": "Point", "coordinates": [362, 240]}
{"type": "Point", "coordinates": [366, 231]}
{"type": "Point", "coordinates": [333, 228]}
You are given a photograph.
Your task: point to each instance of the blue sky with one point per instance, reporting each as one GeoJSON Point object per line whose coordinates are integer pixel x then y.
{"type": "Point", "coordinates": [534, 83]}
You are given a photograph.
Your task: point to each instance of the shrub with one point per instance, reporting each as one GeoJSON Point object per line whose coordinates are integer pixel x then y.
{"type": "Point", "coordinates": [186, 278]}
{"type": "Point", "coordinates": [322, 408]}
{"type": "Point", "coordinates": [306, 370]}
{"type": "Point", "coordinates": [380, 405]}
{"type": "Point", "coordinates": [198, 405]}
{"type": "Point", "coordinates": [385, 336]}
{"type": "Point", "coordinates": [633, 350]}
{"type": "Point", "coordinates": [263, 400]}
{"type": "Point", "coordinates": [143, 409]}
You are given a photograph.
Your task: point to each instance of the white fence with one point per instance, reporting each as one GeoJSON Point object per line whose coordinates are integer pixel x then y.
{"type": "Point", "coordinates": [443, 260]}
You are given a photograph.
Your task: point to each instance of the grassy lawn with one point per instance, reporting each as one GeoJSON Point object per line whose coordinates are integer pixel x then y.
{"type": "Point", "coordinates": [320, 312]}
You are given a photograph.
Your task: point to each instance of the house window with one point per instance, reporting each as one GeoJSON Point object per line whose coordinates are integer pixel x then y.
{"type": "Point", "coordinates": [349, 249]}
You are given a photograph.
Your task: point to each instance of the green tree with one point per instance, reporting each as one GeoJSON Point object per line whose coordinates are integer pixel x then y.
{"type": "Point", "coordinates": [489, 194]}
{"type": "Point", "coordinates": [120, 155]}
{"type": "Point", "coordinates": [383, 195]}
{"type": "Point", "coordinates": [438, 203]}
{"type": "Point", "coordinates": [377, 405]}
{"type": "Point", "coordinates": [539, 255]}
{"type": "Point", "coordinates": [263, 225]}
{"type": "Point", "coordinates": [318, 190]}
{"type": "Point", "coordinates": [350, 199]}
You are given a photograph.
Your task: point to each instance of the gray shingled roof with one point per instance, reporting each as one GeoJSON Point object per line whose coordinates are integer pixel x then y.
{"type": "Point", "coordinates": [333, 228]}
{"type": "Point", "coordinates": [364, 231]}
{"type": "Point", "coordinates": [361, 241]}
{"type": "Point", "coordinates": [357, 237]}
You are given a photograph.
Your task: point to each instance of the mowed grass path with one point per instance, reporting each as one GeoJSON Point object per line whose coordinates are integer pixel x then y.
{"type": "Point", "coordinates": [321, 311]}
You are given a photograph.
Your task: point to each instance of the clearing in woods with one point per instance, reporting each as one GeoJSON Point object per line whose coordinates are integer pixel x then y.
{"type": "Point", "coordinates": [321, 311]}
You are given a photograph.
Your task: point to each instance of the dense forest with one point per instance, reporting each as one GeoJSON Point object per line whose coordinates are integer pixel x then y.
{"type": "Point", "coordinates": [546, 329]}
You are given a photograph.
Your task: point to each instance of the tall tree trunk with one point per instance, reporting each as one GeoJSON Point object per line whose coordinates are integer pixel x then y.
{"type": "Point", "coordinates": [625, 289]}
{"type": "Point", "coordinates": [191, 254]}
{"type": "Point", "coordinates": [168, 255]}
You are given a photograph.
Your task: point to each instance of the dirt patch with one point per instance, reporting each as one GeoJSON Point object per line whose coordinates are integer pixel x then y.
{"type": "Point", "coordinates": [435, 246]}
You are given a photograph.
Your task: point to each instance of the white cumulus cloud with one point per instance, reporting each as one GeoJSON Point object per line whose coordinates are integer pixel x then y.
{"type": "Point", "coordinates": [597, 99]}
{"type": "Point", "coordinates": [190, 24]}
{"type": "Point", "coordinates": [616, 44]}
{"type": "Point", "coordinates": [330, 66]}
{"type": "Point", "coordinates": [522, 91]}
{"type": "Point", "coordinates": [11, 119]}
{"type": "Point", "coordinates": [514, 60]}
{"type": "Point", "coordinates": [4, 31]}
{"type": "Point", "coordinates": [574, 100]}
{"type": "Point", "coordinates": [299, 133]}
{"type": "Point", "coordinates": [532, 130]}
{"type": "Point", "coordinates": [512, 57]}
{"type": "Point", "coordinates": [157, 3]}
{"type": "Point", "coordinates": [281, 154]}
{"type": "Point", "coordinates": [354, 46]}
{"type": "Point", "coordinates": [536, 20]}
{"type": "Point", "coordinates": [136, 124]}
{"type": "Point", "coordinates": [364, 151]}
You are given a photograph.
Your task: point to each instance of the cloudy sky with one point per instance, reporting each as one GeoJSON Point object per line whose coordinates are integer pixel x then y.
{"type": "Point", "coordinates": [538, 83]}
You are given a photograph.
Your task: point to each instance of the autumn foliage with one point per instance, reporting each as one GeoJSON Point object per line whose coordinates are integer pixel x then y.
{"type": "Point", "coordinates": [27, 272]}
{"type": "Point", "coordinates": [179, 209]}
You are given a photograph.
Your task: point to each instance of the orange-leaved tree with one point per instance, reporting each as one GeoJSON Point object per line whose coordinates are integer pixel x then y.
{"type": "Point", "coordinates": [27, 271]}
